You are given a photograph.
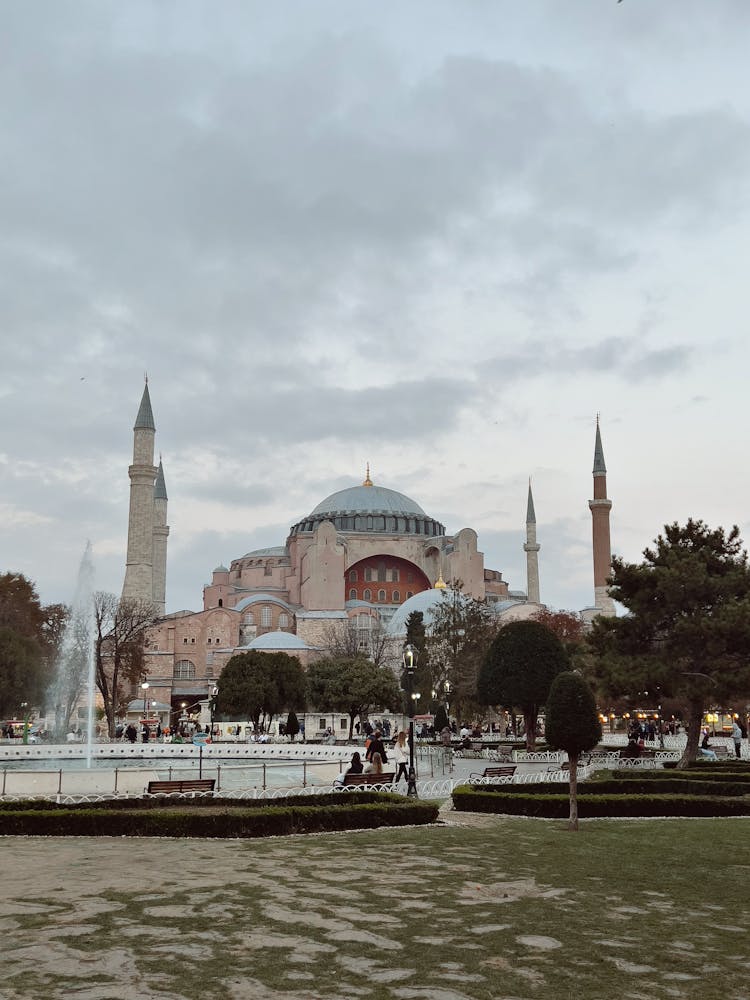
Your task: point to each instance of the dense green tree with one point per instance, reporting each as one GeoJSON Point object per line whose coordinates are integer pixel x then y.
{"type": "Point", "coordinates": [460, 634]}
{"type": "Point", "coordinates": [572, 724]}
{"type": "Point", "coordinates": [518, 669]}
{"type": "Point", "coordinates": [32, 639]}
{"type": "Point", "coordinates": [355, 686]}
{"type": "Point", "coordinates": [687, 631]}
{"type": "Point", "coordinates": [292, 725]}
{"type": "Point", "coordinates": [23, 678]}
{"type": "Point", "coordinates": [253, 684]}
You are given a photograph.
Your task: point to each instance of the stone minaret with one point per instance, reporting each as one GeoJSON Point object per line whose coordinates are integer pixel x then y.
{"type": "Point", "coordinates": [531, 548]}
{"type": "Point", "coordinates": [161, 531]}
{"type": "Point", "coordinates": [139, 583]}
{"type": "Point", "coordinates": [600, 507]}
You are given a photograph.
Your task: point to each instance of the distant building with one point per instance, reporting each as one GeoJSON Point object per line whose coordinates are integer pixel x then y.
{"type": "Point", "coordinates": [359, 562]}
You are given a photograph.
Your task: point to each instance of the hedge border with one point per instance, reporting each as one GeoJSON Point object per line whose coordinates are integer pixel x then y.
{"type": "Point", "coordinates": [557, 806]}
{"type": "Point", "coordinates": [181, 819]}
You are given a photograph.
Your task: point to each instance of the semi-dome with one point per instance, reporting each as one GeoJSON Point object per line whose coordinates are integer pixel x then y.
{"type": "Point", "coordinates": [424, 601]}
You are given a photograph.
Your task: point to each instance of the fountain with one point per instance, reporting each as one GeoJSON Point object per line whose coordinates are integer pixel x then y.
{"type": "Point", "coordinates": [74, 673]}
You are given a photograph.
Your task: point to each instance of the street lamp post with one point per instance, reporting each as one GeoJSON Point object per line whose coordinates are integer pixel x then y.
{"type": "Point", "coordinates": [212, 709]}
{"type": "Point", "coordinates": [410, 663]}
{"type": "Point", "coordinates": [144, 687]}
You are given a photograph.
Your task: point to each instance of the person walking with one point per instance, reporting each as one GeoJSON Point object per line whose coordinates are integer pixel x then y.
{"type": "Point", "coordinates": [737, 737]}
{"type": "Point", "coordinates": [401, 757]}
{"type": "Point", "coordinates": [377, 746]}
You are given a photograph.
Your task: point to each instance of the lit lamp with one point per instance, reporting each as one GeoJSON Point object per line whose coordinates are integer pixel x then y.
{"type": "Point", "coordinates": [410, 663]}
{"type": "Point", "coordinates": [144, 687]}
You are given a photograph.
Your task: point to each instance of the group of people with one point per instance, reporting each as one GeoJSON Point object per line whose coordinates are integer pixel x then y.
{"type": "Point", "coordinates": [376, 756]}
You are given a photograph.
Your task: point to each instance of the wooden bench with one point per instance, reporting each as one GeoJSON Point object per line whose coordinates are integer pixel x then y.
{"type": "Point", "coordinates": [181, 785]}
{"type": "Point", "coordinates": [494, 772]}
{"type": "Point", "coordinates": [386, 778]}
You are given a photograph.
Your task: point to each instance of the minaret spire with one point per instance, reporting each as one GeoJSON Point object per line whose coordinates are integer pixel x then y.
{"type": "Point", "coordinates": [600, 507]}
{"type": "Point", "coordinates": [160, 535]}
{"type": "Point", "coordinates": [368, 481]}
{"type": "Point", "coordinates": [531, 548]}
{"type": "Point", "coordinates": [138, 584]}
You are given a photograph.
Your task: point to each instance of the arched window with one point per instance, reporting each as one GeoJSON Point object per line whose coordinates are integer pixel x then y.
{"type": "Point", "coordinates": [367, 596]}
{"type": "Point", "coordinates": [283, 620]}
{"type": "Point", "coordinates": [352, 594]}
{"type": "Point", "coordinates": [396, 596]}
{"type": "Point", "coordinates": [265, 616]}
{"type": "Point", "coordinates": [409, 594]}
{"type": "Point", "coordinates": [221, 602]}
{"type": "Point", "coordinates": [381, 595]}
{"type": "Point", "coordinates": [353, 576]}
{"type": "Point", "coordinates": [184, 670]}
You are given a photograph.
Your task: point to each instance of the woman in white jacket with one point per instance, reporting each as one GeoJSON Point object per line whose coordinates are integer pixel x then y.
{"type": "Point", "coordinates": [401, 757]}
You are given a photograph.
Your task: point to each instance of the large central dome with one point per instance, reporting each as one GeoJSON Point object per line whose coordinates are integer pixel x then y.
{"type": "Point", "coordinates": [369, 508]}
{"type": "Point", "coordinates": [367, 500]}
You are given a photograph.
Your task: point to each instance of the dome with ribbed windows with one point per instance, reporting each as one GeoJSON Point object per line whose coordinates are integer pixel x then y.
{"type": "Point", "coordinates": [370, 508]}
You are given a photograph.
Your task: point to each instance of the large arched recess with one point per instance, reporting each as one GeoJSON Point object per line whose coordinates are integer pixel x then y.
{"type": "Point", "coordinates": [398, 578]}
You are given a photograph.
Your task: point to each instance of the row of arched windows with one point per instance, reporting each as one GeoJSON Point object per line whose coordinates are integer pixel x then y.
{"type": "Point", "coordinates": [266, 618]}
{"type": "Point", "coordinates": [382, 596]}
{"type": "Point", "coordinates": [371, 574]}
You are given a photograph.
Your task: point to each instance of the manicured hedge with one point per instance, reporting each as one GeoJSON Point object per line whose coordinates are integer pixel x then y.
{"type": "Point", "coordinates": [128, 803]}
{"type": "Point", "coordinates": [647, 785]}
{"type": "Point", "coordinates": [524, 803]}
{"type": "Point", "coordinates": [182, 819]}
{"type": "Point", "coordinates": [733, 776]}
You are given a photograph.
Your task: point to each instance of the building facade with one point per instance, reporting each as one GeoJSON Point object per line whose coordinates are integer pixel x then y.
{"type": "Point", "coordinates": [356, 565]}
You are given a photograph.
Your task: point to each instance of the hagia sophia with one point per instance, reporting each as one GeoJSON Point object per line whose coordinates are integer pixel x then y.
{"type": "Point", "coordinates": [362, 560]}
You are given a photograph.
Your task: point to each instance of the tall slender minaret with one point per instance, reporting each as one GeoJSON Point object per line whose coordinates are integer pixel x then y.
{"type": "Point", "coordinates": [161, 531]}
{"type": "Point", "coordinates": [531, 548]}
{"type": "Point", "coordinates": [600, 507]}
{"type": "Point", "coordinates": [139, 583]}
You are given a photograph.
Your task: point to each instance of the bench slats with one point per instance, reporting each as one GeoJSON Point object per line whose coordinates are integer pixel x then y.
{"type": "Point", "coordinates": [494, 772]}
{"type": "Point", "coordinates": [182, 785]}
{"type": "Point", "coordinates": [386, 778]}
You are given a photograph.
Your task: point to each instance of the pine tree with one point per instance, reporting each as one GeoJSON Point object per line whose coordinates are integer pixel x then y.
{"type": "Point", "coordinates": [687, 633]}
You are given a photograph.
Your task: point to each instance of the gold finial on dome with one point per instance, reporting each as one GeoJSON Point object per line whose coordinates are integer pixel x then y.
{"type": "Point", "coordinates": [368, 481]}
{"type": "Point", "coordinates": [440, 583]}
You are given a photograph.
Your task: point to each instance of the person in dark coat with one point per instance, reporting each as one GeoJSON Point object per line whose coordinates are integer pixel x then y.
{"type": "Point", "coordinates": [377, 746]}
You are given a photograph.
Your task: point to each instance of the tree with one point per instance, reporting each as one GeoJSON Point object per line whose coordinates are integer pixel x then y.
{"type": "Point", "coordinates": [523, 660]}
{"type": "Point", "coordinates": [567, 626]}
{"type": "Point", "coordinates": [572, 724]}
{"type": "Point", "coordinates": [119, 627]}
{"type": "Point", "coordinates": [687, 633]}
{"type": "Point", "coordinates": [292, 726]}
{"type": "Point", "coordinates": [460, 635]}
{"type": "Point", "coordinates": [31, 638]}
{"type": "Point", "coordinates": [354, 686]}
{"type": "Point", "coordinates": [23, 678]}
{"type": "Point", "coordinates": [441, 719]}
{"type": "Point", "coordinates": [350, 641]}
{"type": "Point", "coordinates": [255, 683]}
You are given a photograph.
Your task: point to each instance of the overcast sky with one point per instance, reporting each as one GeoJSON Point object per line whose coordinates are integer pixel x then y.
{"type": "Point", "coordinates": [435, 236]}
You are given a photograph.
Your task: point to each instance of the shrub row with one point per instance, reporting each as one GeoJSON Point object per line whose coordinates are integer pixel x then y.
{"type": "Point", "coordinates": [201, 801]}
{"type": "Point", "coordinates": [687, 784]}
{"type": "Point", "coordinates": [726, 775]}
{"type": "Point", "coordinates": [182, 820]}
{"type": "Point", "coordinates": [557, 806]}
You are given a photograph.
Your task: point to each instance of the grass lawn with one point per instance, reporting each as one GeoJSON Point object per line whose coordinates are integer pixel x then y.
{"type": "Point", "coordinates": [491, 908]}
